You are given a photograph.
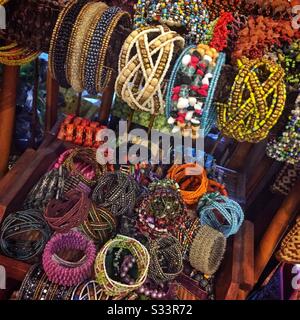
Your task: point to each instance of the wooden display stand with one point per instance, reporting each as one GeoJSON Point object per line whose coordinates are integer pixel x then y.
{"type": "Point", "coordinates": [236, 273]}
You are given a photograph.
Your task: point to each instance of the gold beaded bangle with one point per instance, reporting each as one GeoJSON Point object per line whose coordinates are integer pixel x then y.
{"type": "Point", "coordinates": [54, 36]}
{"type": "Point", "coordinates": [12, 55]}
{"type": "Point", "coordinates": [81, 28]}
{"type": "Point", "coordinates": [150, 97]}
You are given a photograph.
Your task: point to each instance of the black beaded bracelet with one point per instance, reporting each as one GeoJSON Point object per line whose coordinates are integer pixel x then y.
{"type": "Point", "coordinates": [17, 224]}
{"type": "Point", "coordinates": [36, 286]}
{"type": "Point", "coordinates": [95, 46]}
{"type": "Point", "coordinates": [60, 40]}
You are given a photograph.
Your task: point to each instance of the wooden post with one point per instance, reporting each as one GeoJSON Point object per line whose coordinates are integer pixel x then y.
{"type": "Point", "coordinates": [52, 101]}
{"type": "Point", "coordinates": [276, 230]}
{"type": "Point", "coordinates": [106, 101]}
{"type": "Point", "coordinates": [7, 114]}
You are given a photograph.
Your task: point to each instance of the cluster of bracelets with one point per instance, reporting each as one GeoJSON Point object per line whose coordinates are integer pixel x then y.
{"type": "Point", "coordinates": [80, 131]}
{"type": "Point", "coordinates": [81, 52]}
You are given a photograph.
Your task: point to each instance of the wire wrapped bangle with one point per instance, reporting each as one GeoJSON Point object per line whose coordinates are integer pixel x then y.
{"type": "Point", "coordinates": [116, 192]}
{"type": "Point", "coordinates": [165, 259]}
{"type": "Point", "coordinates": [191, 189]}
{"type": "Point", "coordinates": [207, 250]}
{"type": "Point", "coordinates": [63, 272]}
{"type": "Point", "coordinates": [20, 223]}
{"type": "Point", "coordinates": [69, 212]}
{"type": "Point", "coordinates": [60, 40]}
{"type": "Point", "coordinates": [140, 78]}
{"type": "Point", "coordinates": [89, 290]}
{"type": "Point", "coordinates": [36, 286]}
{"type": "Point", "coordinates": [100, 225]}
{"type": "Point", "coordinates": [142, 258]}
{"type": "Point", "coordinates": [220, 213]}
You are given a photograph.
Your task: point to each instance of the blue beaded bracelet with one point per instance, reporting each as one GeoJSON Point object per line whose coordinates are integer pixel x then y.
{"type": "Point", "coordinates": [213, 208]}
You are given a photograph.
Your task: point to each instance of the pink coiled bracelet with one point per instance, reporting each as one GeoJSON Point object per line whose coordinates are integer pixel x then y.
{"type": "Point", "coordinates": [66, 273]}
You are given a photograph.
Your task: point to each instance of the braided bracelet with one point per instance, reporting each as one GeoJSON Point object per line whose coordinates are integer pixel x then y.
{"type": "Point", "coordinates": [191, 88]}
{"type": "Point", "coordinates": [60, 40]}
{"type": "Point", "coordinates": [82, 26]}
{"type": "Point", "coordinates": [165, 259]}
{"type": "Point", "coordinates": [142, 259]}
{"type": "Point", "coordinates": [22, 223]}
{"type": "Point", "coordinates": [63, 272]}
{"type": "Point", "coordinates": [207, 250]}
{"type": "Point", "coordinates": [193, 187]}
{"type": "Point", "coordinates": [250, 117]}
{"type": "Point", "coordinates": [140, 78]}
{"type": "Point", "coordinates": [116, 192]}
{"type": "Point", "coordinates": [36, 286]}
{"type": "Point", "coordinates": [160, 212]}
{"type": "Point", "coordinates": [69, 212]}
{"type": "Point", "coordinates": [100, 224]}
{"type": "Point", "coordinates": [220, 213]}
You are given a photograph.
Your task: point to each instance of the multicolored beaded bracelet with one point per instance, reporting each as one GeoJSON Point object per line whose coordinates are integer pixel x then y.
{"type": "Point", "coordinates": [189, 14]}
{"type": "Point", "coordinates": [64, 272]}
{"type": "Point", "coordinates": [191, 88]}
{"type": "Point", "coordinates": [220, 213]}
{"type": "Point", "coordinates": [142, 260]}
{"type": "Point", "coordinates": [287, 147]}
{"type": "Point", "coordinates": [21, 223]}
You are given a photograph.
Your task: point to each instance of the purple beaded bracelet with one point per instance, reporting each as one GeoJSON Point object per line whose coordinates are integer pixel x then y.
{"type": "Point", "coordinates": [64, 272]}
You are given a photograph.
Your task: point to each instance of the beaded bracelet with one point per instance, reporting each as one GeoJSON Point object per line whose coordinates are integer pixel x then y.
{"type": "Point", "coordinates": [160, 212]}
{"type": "Point", "coordinates": [165, 259]}
{"type": "Point", "coordinates": [36, 286]}
{"type": "Point", "coordinates": [69, 212]}
{"type": "Point", "coordinates": [251, 118]}
{"type": "Point", "coordinates": [14, 55]}
{"type": "Point", "coordinates": [140, 78]}
{"type": "Point", "coordinates": [220, 213]}
{"type": "Point", "coordinates": [49, 187]}
{"type": "Point", "coordinates": [207, 250]}
{"type": "Point", "coordinates": [116, 192]}
{"type": "Point", "coordinates": [80, 30]}
{"type": "Point", "coordinates": [191, 15]}
{"type": "Point", "coordinates": [21, 223]}
{"type": "Point", "coordinates": [194, 187]}
{"type": "Point", "coordinates": [89, 290]}
{"type": "Point", "coordinates": [142, 259]}
{"type": "Point", "coordinates": [288, 251]}
{"type": "Point", "coordinates": [61, 38]}
{"type": "Point", "coordinates": [63, 272]}
{"type": "Point", "coordinates": [287, 146]}
{"type": "Point", "coordinates": [83, 162]}
{"type": "Point", "coordinates": [100, 225]}
{"type": "Point", "coordinates": [191, 88]}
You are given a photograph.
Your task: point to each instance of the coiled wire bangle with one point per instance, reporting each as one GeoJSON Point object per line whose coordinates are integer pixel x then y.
{"type": "Point", "coordinates": [20, 223]}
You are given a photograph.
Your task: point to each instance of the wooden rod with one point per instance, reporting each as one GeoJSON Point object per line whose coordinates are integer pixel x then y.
{"type": "Point", "coordinates": [35, 103]}
{"type": "Point", "coordinates": [7, 114]}
{"type": "Point", "coordinates": [52, 101]}
{"type": "Point", "coordinates": [106, 101]}
{"type": "Point", "coordinates": [276, 230]}
{"type": "Point", "coordinates": [78, 108]}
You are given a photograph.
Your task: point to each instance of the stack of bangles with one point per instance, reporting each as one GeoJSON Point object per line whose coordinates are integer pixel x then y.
{"type": "Point", "coordinates": [140, 257]}
{"type": "Point", "coordinates": [160, 212]}
{"type": "Point", "coordinates": [191, 88]}
{"type": "Point", "coordinates": [81, 43]}
{"type": "Point", "coordinates": [80, 131]}
{"type": "Point", "coordinates": [14, 55]}
{"type": "Point", "coordinates": [68, 273]}
{"type": "Point", "coordinates": [140, 78]}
